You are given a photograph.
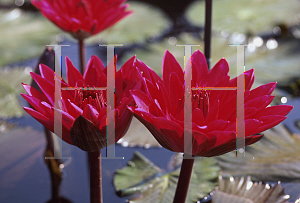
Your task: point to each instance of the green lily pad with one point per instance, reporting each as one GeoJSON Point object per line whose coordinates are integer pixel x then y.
{"type": "Point", "coordinates": [146, 182]}
{"type": "Point", "coordinates": [145, 22]}
{"type": "Point", "coordinates": [270, 65]}
{"type": "Point", "coordinates": [246, 16]}
{"type": "Point", "coordinates": [138, 136]}
{"type": "Point", "coordinates": [275, 157]}
{"type": "Point", "coordinates": [243, 190]}
{"type": "Point", "coordinates": [24, 35]}
{"type": "Point", "coordinates": [10, 88]}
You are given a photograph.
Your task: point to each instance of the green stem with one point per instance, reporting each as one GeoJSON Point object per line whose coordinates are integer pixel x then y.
{"type": "Point", "coordinates": [207, 32]}
{"type": "Point", "coordinates": [95, 177]}
{"type": "Point", "coordinates": [82, 55]}
{"type": "Point", "coordinates": [184, 181]}
{"type": "Point", "coordinates": [96, 195]}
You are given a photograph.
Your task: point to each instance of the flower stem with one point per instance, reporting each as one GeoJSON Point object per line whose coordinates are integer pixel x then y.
{"type": "Point", "coordinates": [184, 181]}
{"type": "Point", "coordinates": [95, 177]}
{"type": "Point", "coordinates": [207, 32]}
{"type": "Point", "coordinates": [82, 55]}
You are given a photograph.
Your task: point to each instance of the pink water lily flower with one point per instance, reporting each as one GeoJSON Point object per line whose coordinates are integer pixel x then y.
{"type": "Point", "coordinates": [83, 18]}
{"type": "Point", "coordinates": [89, 106]}
{"type": "Point", "coordinates": [161, 107]}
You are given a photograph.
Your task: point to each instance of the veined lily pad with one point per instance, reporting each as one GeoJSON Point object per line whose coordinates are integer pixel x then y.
{"type": "Point", "coordinates": [275, 157]}
{"type": "Point", "coordinates": [148, 183]}
{"type": "Point", "coordinates": [246, 16]}
{"type": "Point", "coordinates": [243, 190]}
{"type": "Point", "coordinates": [135, 28]}
{"type": "Point", "coordinates": [10, 88]}
{"type": "Point", "coordinates": [24, 35]}
{"type": "Point", "coordinates": [278, 64]}
{"type": "Point", "coordinates": [138, 135]}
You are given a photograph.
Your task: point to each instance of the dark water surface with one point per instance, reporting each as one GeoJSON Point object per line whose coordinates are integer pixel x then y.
{"type": "Point", "coordinates": [35, 185]}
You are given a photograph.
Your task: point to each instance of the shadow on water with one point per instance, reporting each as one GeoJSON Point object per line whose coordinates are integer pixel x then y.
{"type": "Point", "coordinates": [32, 183]}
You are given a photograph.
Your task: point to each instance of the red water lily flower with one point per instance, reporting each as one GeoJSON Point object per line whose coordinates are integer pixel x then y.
{"type": "Point", "coordinates": [88, 105]}
{"type": "Point", "coordinates": [83, 18]}
{"type": "Point", "coordinates": [161, 107]}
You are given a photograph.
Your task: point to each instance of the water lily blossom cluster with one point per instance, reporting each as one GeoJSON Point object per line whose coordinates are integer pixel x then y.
{"type": "Point", "coordinates": [83, 18]}
{"type": "Point", "coordinates": [90, 105]}
{"type": "Point", "coordinates": [161, 107]}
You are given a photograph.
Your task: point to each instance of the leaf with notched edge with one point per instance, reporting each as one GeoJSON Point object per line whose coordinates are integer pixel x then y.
{"type": "Point", "coordinates": [145, 182]}
{"type": "Point", "coordinates": [243, 190]}
{"type": "Point", "coordinates": [275, 157]}
{"type": "Point", "coordinates": [86, 136]}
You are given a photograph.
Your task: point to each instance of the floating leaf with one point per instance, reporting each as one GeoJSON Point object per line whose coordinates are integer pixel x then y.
{"type": "Point", "coordinates": [136, 28]}
{"type": "Point", "coordinates": [246, 16]}
{"type": "Point", "coordinates": [24, 35]}
{"type": "Point", "coordinates": [10, 88]}
{"type": "Point", "coordinates": [243, 190]}
{"type": "Point", "coordinates": [275, 157]}
{"type": "Point", "coordinates": [148, 183]}
{"type": "Point", "coordinates": [138, 135]}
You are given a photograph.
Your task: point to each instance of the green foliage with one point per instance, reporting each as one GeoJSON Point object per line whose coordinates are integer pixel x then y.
{"type": "Point", "coordinates": [148, 183]}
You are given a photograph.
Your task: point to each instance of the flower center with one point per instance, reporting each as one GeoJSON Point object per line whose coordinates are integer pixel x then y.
{"type": "Point", "coordinates": [96, 98]}
{"type": "Point", "coordinates": [201, 101]}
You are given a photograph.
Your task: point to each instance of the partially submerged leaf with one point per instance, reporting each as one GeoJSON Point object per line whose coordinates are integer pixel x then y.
{"type": "Point", "coordinates": [275, 157]}
{"type": "Point", "coordinates": [148, 183]}
{"type": "Point", "coordinates": [243, 190]}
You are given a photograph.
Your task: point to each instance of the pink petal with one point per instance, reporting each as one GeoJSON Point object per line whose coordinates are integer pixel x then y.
{"type": "Point", "coordinates": [170, 133]}
{"type": "Point", "coordinates": [148, 72]}
{"type": "Point", "coordinates": [198, 117]}
{"type": "Point", "coordinates": [47, 73]}
{"type": "Point", "coordinates": [281, 110]}
{"type": "Point", "coordinates": [34, 92]}
{"type": "Point", "coordinates": [46, 87]}
{"type": "Point", "coordinates": [141, 99]}
{"type": "Point", "coordinates": [90, 113]}
{"type": "Point", "coordinates": [220, 70]}
{"type": "Point", "coordinates": [260, 102]}
{"type": "Point", "coordinates": [217, 125]}
{"type": "Point", "coordinates": [249, 79]}
{"type": "Point", "coordinates": [35, 103]}
{"type": "Point", "coordinates": [73, 74]}
{"type": "Point", "coordinates": [176, 93]}
{"type": "Point", "coordinates": [127, 66]}
{"type": "Point", "coordinates": [262, 90]}
{"type": "Point", "coordinates": [73, 109]}
{"type": "Point", "coordinates": [122, 124]}
{"type": "Point", "coordinates": [270, 121]}
{"type": "Point", "coordinates": [93, 71]}
{"type": "Point", "coordinates": [199, 67]}
{"type": "Point", "coordinates": [48, 123]}
{"type": "Point", "coordinates": [169, 65]}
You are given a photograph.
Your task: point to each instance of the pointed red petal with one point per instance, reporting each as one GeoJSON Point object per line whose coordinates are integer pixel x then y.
{"type": "Point", "coordinates": [47, 73]}
{"type": "Point", "coordinates": [34, 92]}
{"type": "Point", "coordinates": [46, 87]}
{"type": "Point", "coordinates": [73, 74]}
{"type": "Point", "coordinates": [90, 113]}
{"type": "Point", "coordinates": [170, 65]}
